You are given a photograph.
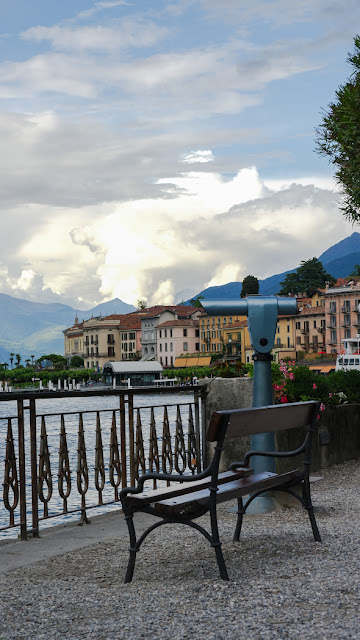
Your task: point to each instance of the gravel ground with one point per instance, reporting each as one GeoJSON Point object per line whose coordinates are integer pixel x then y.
{"type": "Point", "coordinates": [282, 585]}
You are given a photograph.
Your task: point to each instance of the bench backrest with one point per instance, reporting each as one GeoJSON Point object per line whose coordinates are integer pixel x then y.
{"type": "Point", "coordinates": [277, 417]}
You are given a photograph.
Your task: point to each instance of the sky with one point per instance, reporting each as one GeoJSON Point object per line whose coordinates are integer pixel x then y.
{"type": "Point", "coordinates": [152, 148]}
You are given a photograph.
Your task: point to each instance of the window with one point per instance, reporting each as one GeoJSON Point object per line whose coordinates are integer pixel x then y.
{"type": "Point", "coordinates": [165, 335]}
{"type": "Point", "coordinates": [219, 346]}
{"type": "Point", "coordinates": [171, 333]}
{"type": "Point", "coordinates": [332, 337]}
{"type": "Point", "coordinates": [185, 333]}
{"type": "Point", "coordinates": [288, 342]}
{"type": "Point", "coordinates": [346, 306]}
{"type": "Point", "coordinates": [166, 361]}
{"type": "Point", "coordinates": [132, 335]}
{"type": "Point", "coordinates": [332, 307]}
{"type": "Point", "coordinates": [197, 333]}
{"type": "Point", "coordinates": [288, 328]}
{"type": "Point", "coordinates": [185, 346]}
{"type": "Point", "coordinates": [160, 336]}
{"type": "Point", "coordinates": [111, 351]}
{"type": "Point", "coordinates": [314, 324]}
{"type": "Point", "coordinates": [213, 334]}
{"type": "Point", "coordinates": [347, 333]}
{"type": "Point", "coordinates": [171, 346]}
{"type": "Point", "coordinates": [165, 346]}
{"type": "Point", "coordinates": [197, 346]}
{"type": "Point", "coordinates": [333, 321]}
{"type": "Point", "coordinates": [202, 347]}
{"type": "Point", "coordinates": [160, 347]}
{"type": "Point", "coordinates": [110, 338]}
{"type": "Point", "coordinates": [124, 336]}
{"type": "Point", "coordinates": [297, 325]}
{"type": "Point", "coordinates": [171, 360]}
{"type": "Point", "coordinates": [278, 342]}
{"type": "Point", "coordinates": [298, 340]}
{"type": "Point", "coordinates": [230, 320]}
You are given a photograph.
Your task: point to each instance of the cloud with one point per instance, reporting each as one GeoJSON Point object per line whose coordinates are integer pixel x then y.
{"type": "Point", "coordinates": [128, 33]}
{"type": "Point", "coordinates": [198, 156]}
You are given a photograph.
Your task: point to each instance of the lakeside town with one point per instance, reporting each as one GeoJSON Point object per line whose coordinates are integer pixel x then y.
{"type": "Point", "coordinates": [180, 336]}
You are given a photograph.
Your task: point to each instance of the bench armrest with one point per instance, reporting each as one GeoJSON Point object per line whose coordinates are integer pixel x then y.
{"type": "Point", "coordinates": [269, 454]}
{"type": "Point", "coordinates": [163, 476]}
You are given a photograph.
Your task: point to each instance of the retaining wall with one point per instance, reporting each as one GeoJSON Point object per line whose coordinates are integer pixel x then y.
{"type": "Point", "coordinates": [337, 438]}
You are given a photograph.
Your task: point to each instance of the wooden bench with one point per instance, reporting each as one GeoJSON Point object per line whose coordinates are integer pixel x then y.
{"type": "Point", "coordinates": [193, 496]}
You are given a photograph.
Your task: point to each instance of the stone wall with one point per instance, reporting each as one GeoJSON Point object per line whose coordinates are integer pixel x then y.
{"type": "Point", "coordinates": [337, 438]}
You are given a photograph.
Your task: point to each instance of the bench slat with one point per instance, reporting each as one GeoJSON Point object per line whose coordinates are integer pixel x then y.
{"type": "Point", "coordinates": [226, 491]}
{"type": "Point", "coordinates": [141, 499]}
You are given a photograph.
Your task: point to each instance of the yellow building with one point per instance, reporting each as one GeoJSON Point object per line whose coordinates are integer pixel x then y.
{"type": "Point", "coordinates": [74, 340]}
{"type": "Point", "coordinates": [284, 345]}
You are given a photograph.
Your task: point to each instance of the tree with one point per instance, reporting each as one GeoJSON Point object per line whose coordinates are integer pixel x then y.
{"type": "Point", "coordinates": [195, 302]}
{"type": "Point", "coordinates": [141, 304]}
{"type": "Point", "coordinates": [11, 359]}
{"type": "Point", "coordinates": [338, 137]}
{"type": "Point", "coordinates": [76, 361]}
{"type": "Point", "coordinates": [250, 285]}
{"type": "Point", "coordinates": [18, 359]}
{"type": "Point", "coordinates": [310, 276]}
{"type": "Point", "coordinates": [355, 272]}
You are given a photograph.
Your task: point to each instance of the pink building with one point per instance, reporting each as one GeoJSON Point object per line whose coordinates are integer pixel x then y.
{"type": "Point", "coordinates": [176, 337]}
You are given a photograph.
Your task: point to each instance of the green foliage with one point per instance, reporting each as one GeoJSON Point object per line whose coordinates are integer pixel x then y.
{"type": "Point", "coordinates": [195, 302]}
{"type": "Point", "coordinates": [355, 272]}
{"type": "Point", "coordinates": [250, 285]}
{"type": "Point", "coordinates": [299, 383]}
{"type": "Point", "coordinates": [58, 362]}
{"type": "Point", "coordinates": [306, 279]}
{"type": "Point", "coordinates": [229, 370]}
{"type": "Point", "coordinates": [76, 361]}
{"type": "Point", "coordinates": [338, 137]}
{"type": "Point", "coordinates": [141, 304]}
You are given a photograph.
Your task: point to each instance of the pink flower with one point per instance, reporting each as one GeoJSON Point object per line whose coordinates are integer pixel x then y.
{"type": "Point", "coordinates": [283, 399]}
{"type": "Point", "coordinates": [314, 385]}
{"type": "Point", "coordinates": [322, 407]}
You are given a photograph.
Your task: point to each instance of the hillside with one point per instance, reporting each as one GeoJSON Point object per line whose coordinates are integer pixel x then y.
{"type": "Point", "coordinates": [32, 328]}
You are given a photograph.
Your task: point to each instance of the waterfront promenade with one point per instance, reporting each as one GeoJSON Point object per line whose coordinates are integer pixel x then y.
{"type": "Point", "coordinates": [283, 585]}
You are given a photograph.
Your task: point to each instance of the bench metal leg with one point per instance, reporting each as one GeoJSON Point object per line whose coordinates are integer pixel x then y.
{"type": "Point", "coordinates": [217, 544]}
{"type": "Point", "coordinates": [132, 548]}
{"type": "Point", "coordinates": [240, 514]}
{"type": "Point", "coordinates": [310, 509]}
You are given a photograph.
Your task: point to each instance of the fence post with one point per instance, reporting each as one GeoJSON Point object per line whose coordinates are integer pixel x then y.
{"type": "Point", "coordinates": [123, 440]}
{"type": "Point", "coordinates": [22, 476]}
{"type": "Point", "coordinates": [34, 483]}
{"type": "Point", "coordinates": [131, 438]}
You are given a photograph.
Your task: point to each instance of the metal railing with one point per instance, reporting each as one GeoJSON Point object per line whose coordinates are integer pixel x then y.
{"type": "Point", "coordinates": [140, 437]}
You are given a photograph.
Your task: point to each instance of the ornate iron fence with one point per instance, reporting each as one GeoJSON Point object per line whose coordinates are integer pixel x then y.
{"type": "Point", "coordinates": [140, 436]}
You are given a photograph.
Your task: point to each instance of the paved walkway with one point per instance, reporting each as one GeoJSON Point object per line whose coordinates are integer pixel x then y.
{"type": "Point", "coordinates": [283, 585]}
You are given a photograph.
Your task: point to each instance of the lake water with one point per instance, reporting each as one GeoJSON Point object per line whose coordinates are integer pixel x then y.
{"type": "Point", "coordinates": [88, 405]}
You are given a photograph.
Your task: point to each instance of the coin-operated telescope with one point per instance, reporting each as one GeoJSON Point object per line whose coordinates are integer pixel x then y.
{"type": "Point", "coordinates": [262, 313]}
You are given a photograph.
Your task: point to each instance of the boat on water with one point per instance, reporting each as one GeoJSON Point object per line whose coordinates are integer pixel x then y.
{"type": "Point", "coordinates": [349, 356]}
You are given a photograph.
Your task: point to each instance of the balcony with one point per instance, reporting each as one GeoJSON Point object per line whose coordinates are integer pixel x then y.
{"type": "Point", "coordinates": [305, 330]}
{"type": "Point", "coordinates": [321, 329]}
{"type": "Point", "coordinates": [332, 310]}
{"type": "Point", "coordinates": [331, 326]}
{"type": "Point", "coordinates": [345, 309]}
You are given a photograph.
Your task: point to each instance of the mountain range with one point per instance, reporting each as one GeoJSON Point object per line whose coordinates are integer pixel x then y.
{"type": "Point", "coordinates": [339, 260]}
{"type": "Point", "coordinates": [32, 328]}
